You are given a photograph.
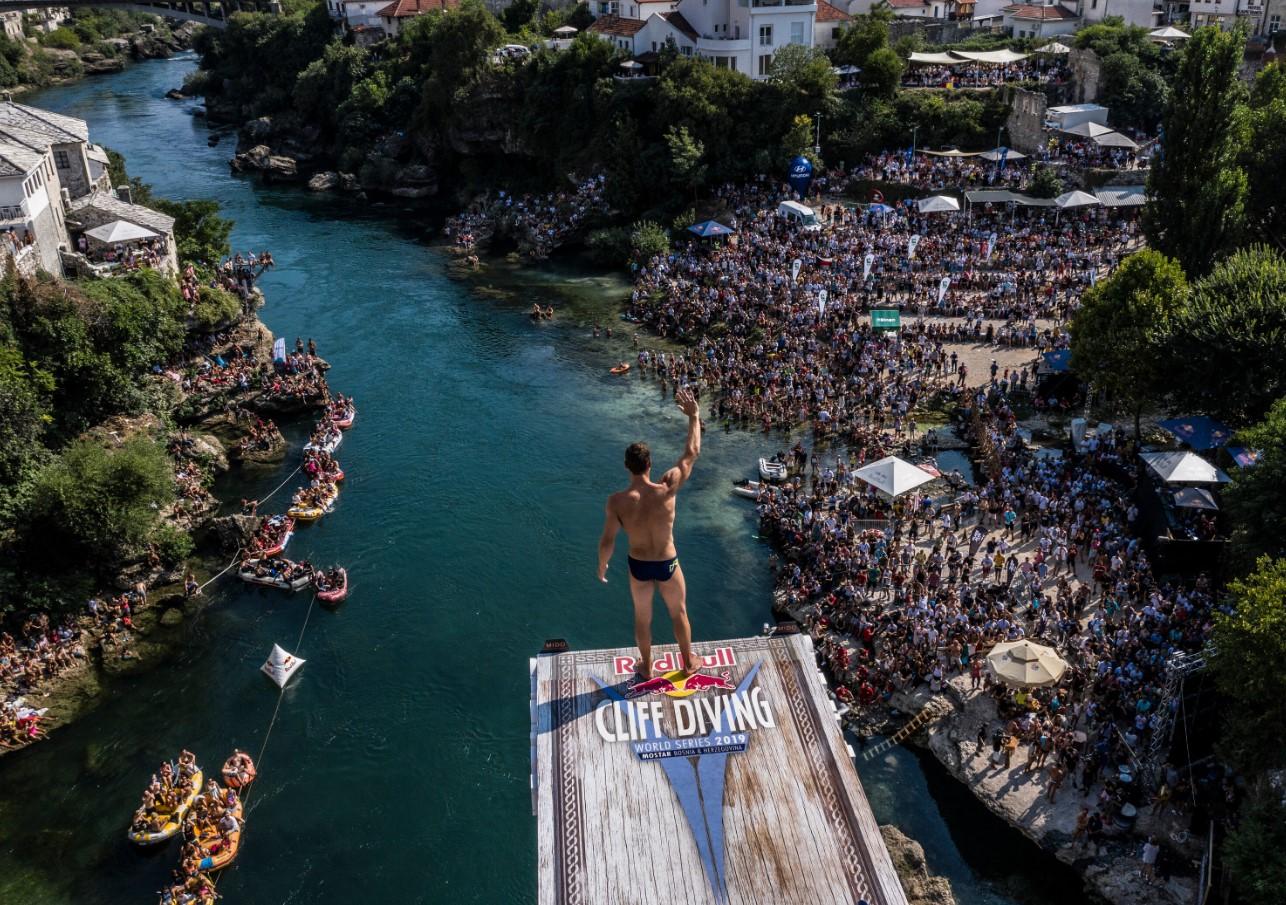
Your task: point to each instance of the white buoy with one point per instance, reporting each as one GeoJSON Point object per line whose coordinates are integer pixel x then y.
{"type": "Point", "coordinates": [281, 665]}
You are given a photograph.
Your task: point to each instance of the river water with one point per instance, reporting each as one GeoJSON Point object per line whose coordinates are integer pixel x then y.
{"type": "Point", "coordinates": [397, 769]}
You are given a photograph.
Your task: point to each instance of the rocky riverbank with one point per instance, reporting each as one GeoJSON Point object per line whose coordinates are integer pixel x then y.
{"type": "Point", "coordinates": [209, 436]}
{"type": "Point", "coordinates": [63, 65]}
{"type": "Point", "coordinates": [920, 886]}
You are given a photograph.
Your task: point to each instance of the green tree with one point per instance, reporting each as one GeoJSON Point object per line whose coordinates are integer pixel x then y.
{"type": "Point", "coordinates": [1134, 93]}
{"type": "Point", "coordinates": [1119, 331]}
{"type": "Point", "coordinates": [1255, 850]}
{"type": "Point", "coordinates": [862, 37]}
{"type": "Point", "coordinates": [687, 166]}
{"type": "Point", "coordinates": [199, 232]}
{"type": "Point", "coordinates": [882, 73]}
{"type": "Point", "coordinates": [799, 140]}
{"type": "Point", "coordinates": [1228, 342]}
{"type": "Point", "coordinates": [647, 240]}
{"type": "Point", "coordinates": [1266, 154]}
{"type": "Point", "coordinates": [1045, 184]}
{"type": "Point", "coordinates": [1255, 502]}
{"type": "Point", "coordinates": [803, 74]}
{"type": "Point", "coordinates": [1197, 190]}
{"type": "Point", "coordinates": [1250, 647]}
{"type": "Point", "coordinates": [98, 503]}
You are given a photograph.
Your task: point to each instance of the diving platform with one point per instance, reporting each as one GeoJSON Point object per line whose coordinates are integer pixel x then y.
{"type": "Point", "coordinates": [734, 787]}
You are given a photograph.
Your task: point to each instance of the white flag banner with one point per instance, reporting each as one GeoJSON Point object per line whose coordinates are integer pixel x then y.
{"type": "Point", "coordinates": [943, 286]}
{"type": "Point", "coordinates": [867, 263]}
{"type": "Point", "coordinates": [989, 247]}
{"type": "Point", "coordinates": [279, 349]}
{"type": "Point", "coordinates": [911, 245]}
{"type": "Point", "coordinates": [821, 302]}
{"type": "Point", "coordinates": [794, 269]}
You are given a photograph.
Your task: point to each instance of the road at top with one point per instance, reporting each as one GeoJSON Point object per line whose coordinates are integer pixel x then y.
{"type": "Point", "coordinates": [485, 445]}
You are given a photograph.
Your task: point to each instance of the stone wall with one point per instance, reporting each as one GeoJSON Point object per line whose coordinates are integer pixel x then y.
{"type": "Point", "coordinates": [1086, 74]}
{"type": "Point", "coordinates": [1026, 120]}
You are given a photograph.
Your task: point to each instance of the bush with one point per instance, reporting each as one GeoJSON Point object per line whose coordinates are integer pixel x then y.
{"type": "Point", "coordinates": [1045, 184]}
{"type": "Point", "coordinates": [215, 308]}
{"type": "Point", "coordinates": [98, 503]}
{"type": "Point", "coordinates": [647, 240]}
{"type": "Point", "coordinates": [609, 247]}
{"type": "Point", "coordinates": [172, 545]}
{"type": "Point", "coordinates": [61, 38]}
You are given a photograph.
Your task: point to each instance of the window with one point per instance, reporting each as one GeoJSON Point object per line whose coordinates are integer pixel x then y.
{"type": "Point", "coordinates": [797, 32]}
{"type": "Point", "coordinates": [686, 50]}
{"type": "Point", "coordinates": [765, 63]}
{"type": "Point", "coordinates": [1274, 24]}
{"type": "Point", "coordinates": [834, 34]}
{"type": "Point", "coordinates": [1093, 4]}
{"type": "Point", "coordinates": [765, 38]}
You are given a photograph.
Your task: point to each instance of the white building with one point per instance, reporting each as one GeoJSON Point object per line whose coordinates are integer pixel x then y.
{"type": "Point", "coordinates": [1030, 20]}
{"type": "Point", "coordinates": [49, 168]}
{"type": "Point", "coordinates": [12, 25]}
{"type": "Point", "coordinates": [1226, 13]}
{"type": "Point", "coordinates": [1143, 13]}
{"type": "Point", "coordinates": [827, 24]}
{"type": "Point", "coordinates": [742, 35]}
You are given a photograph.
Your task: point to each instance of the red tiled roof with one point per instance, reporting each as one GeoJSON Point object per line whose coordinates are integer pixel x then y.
{"type": "Point", "coordinates": [907, 4]}
{"type": "Point", "coordinates": [617, 25]}
{"type": "Point", "coordinates": [828, 13]}
{"type": "Point", "coordinates": [405, 9]}
{"type": "Point", "coordinates": [676, 19]}
{"type": "Point", "coordinates": [1039, 13]}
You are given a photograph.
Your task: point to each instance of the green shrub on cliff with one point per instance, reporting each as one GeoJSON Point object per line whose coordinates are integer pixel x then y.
{"type": "Point", "coordinates": [215, 308]}
{"type": "Point", "coordinates": [98, 503]}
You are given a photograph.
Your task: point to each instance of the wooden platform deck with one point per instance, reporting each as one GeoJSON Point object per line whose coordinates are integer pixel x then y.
{"type": "Point", "coordinates": [741, 792]}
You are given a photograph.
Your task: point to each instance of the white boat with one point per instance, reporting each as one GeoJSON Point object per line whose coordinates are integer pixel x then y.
{"type": "Point", "coordinates": [328, 445]}
{"type": "Point", "coordinates": [773, 472]}
{"type": "Point", "coordinates": [300, 580]}
{"type": "Point", "coordinates": [748, 489]}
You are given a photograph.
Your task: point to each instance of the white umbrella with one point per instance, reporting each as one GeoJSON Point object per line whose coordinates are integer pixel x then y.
{"type": "Point", "coordinates": [995, 154]}
{"type": "Point", "coordinates": [564, 30]}
{"type": "Point", "coordinates": [120, 231]}
{"type": "Point", "coordinates": [631, 64]}
{"type": "Point", "coordinates": [1169, 33]}
{"type": "Point", "coordinates": [936, 204]}
{"type": "Point", "coordinates": [1026, 664]}
{"type": "Point", "coordinates": [1055, 47]}
{"type": "Point", "coordinates": [1088, 130]}
{"type": "Point", "coordinates": [893, 476]}
{"type": "Point", "coordinates": [1114, 140]}
{"type": "Point", "coordinates": [1075, 199]}
{"type": "Point", "coordinates": [1183, 468]}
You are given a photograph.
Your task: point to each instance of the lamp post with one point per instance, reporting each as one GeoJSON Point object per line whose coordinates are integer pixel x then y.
{"type": "Point", "coordinates": [817, 147]}
{"type": "Point", "coordinates": [914, 130]}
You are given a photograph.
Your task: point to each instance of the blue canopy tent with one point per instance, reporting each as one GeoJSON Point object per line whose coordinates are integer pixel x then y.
{"type": "Point", "coordinates": [1198, 431]}
{"type": "Point", "coordinates": [1059, 362]}
{"type": "Point", "coordinates": [709, 228]}
{"type": "Point", "coordinates": [1245, 458]}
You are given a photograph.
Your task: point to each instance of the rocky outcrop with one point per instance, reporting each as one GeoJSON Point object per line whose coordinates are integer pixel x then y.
{"type": "Point", "coordinates": [324, 182]}
{"type": "Point", "coordinates": [232, 532]}
{"type": "Point", "coordinates": [97, 64]}
{"type": "Point", "coordinates": [921, 887]}
{"type": "Point", "coordinates": [490, 130]}
{"type": "Point", "coordinates": [261, 159]}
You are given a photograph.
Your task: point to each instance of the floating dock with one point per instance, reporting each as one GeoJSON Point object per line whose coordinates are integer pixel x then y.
{"type": "Point", "coordinates": [735, 787]}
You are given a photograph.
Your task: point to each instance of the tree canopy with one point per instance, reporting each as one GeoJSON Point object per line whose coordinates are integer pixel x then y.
{"type": "Point", "coordinates": [1121, 324]}
{"type": "Point", "coordinates": [1255, 502]}
{"type": "Point", "coordinates": [1229, 338]}
{"type": "Point", "coordinates": [1197, 189]}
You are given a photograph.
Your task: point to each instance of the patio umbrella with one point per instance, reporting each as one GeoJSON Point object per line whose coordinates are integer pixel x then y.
{"type": "Point", "coordinates": [1169, 33]}
{"type": "Point", "coordinates": [1115, 140]}
{"type": "Point", "coordinates": [1025, 664]}
{"type": "Point", "coordinates": [1075, 199]}
{"type": "Point", "coordinates": [893, 476]}
{"type": "Point", "coordinates": [120, 231]}
{"type": "Point", "coordinates": [708, 228]}
{"type": "Point", "coordinates": [937, 204]}
{"type": "Point", "coordinates": [1195, 498]}
{"type": "Point", "coordinates": [1198, 431]}
{"type": "Point", "coordinates": [565, 31]}
{"type": "Point", "coordinates": [1055, 47]}
{"type": "Point", "coordinates": [1183, 468]}
{"type": "Point", "coordinates": [1088, 130]}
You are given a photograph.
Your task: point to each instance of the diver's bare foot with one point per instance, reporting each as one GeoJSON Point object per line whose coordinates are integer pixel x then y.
{"type": "Point", "coordinates": [690, 671]}
{"type": "Point", "coordinates": [642, 675]}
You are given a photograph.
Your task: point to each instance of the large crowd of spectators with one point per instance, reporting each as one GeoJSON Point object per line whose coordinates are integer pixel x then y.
{"type": "Point", "coordinates": [538, 223]}
{"type": "Point", "coordinates": [985, 75]}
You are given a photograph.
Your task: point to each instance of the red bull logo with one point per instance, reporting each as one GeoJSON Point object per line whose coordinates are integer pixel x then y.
{"type": "Point", "coordinates": [625, 666]}
{"type": "Point", "coordinates": [674, 685]}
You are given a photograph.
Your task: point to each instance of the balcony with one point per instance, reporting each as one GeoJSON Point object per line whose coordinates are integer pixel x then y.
{"type": "Point", "coordinates": [779, 4]}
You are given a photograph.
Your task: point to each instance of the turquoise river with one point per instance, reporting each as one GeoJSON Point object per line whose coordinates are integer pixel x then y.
{"type": "Point", "coordinates": [397, 769]}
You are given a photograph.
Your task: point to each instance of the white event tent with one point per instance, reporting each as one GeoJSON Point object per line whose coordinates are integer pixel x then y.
{"type": "Point", "coordinates": [1183, 468]}
{"type": "Point", "coordinates": [893, 476]}
{"type": "Point", "coordinates": [936, 204]}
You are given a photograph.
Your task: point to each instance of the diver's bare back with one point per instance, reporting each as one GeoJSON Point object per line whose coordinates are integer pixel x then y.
{"type": "Point", "coordinates": [647, 516]}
